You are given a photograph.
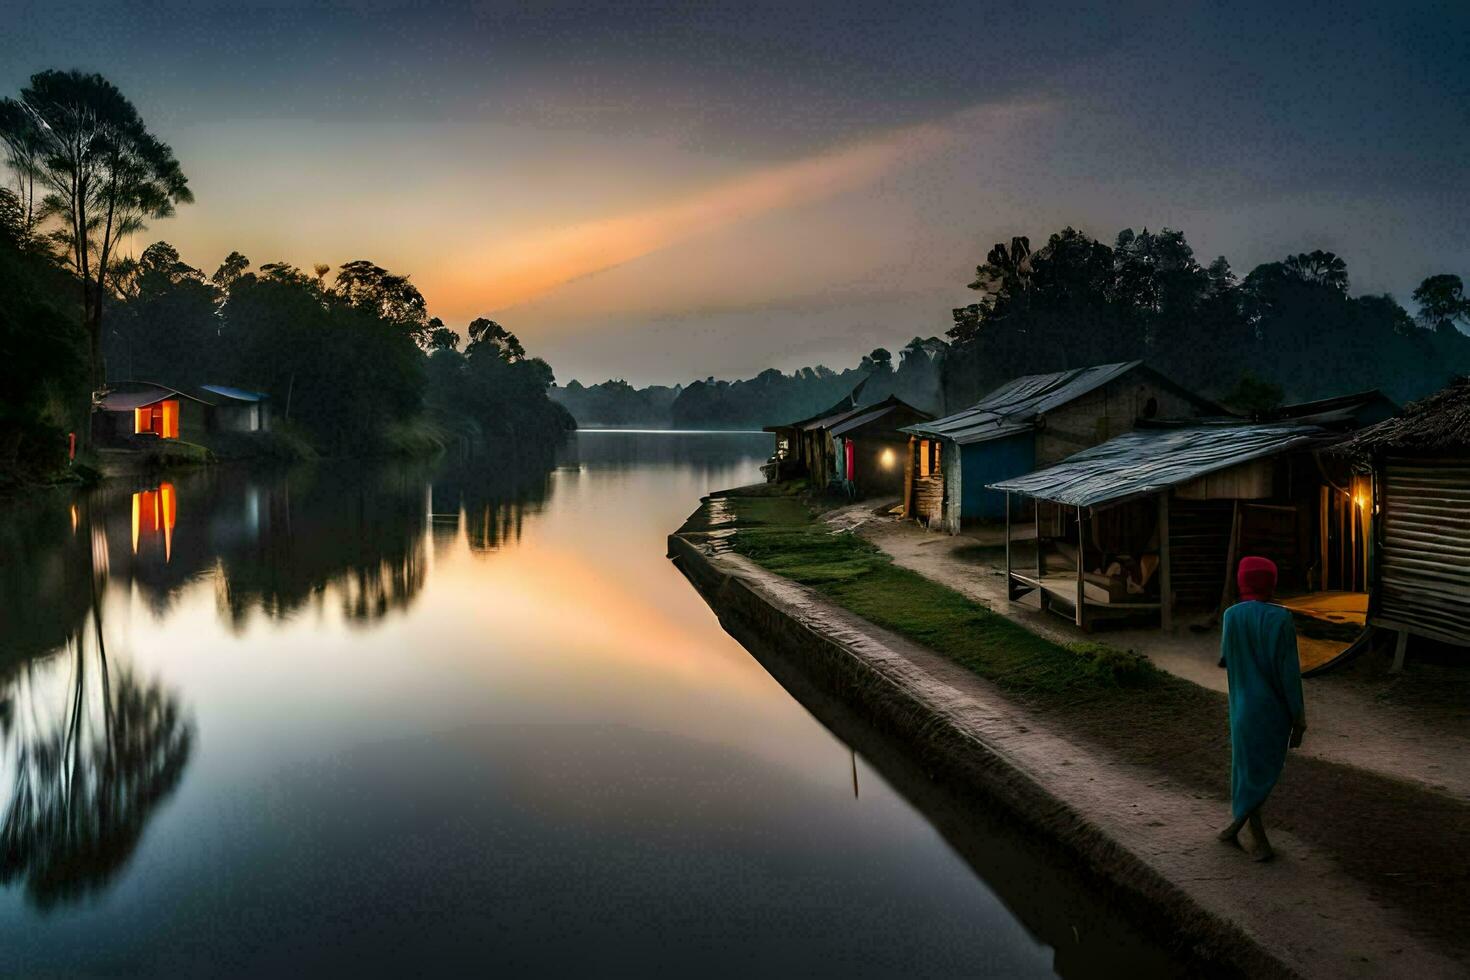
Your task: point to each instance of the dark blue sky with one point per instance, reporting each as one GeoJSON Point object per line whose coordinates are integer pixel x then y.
{"type": "Point", "coordinates": [454, 141]}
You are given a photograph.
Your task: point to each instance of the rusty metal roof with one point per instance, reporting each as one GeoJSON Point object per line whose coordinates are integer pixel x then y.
{"type": "Point", "coordinates": [1153, 458]}
{"type": "Point", "coordinates": [1016, 405]}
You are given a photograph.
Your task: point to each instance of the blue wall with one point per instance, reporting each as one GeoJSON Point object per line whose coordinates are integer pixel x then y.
{"type": "Point", "coordinates": [991, 462]}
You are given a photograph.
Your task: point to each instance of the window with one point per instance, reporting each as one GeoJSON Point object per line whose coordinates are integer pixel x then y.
{"type": "Point", "coordinates": [161, 419]}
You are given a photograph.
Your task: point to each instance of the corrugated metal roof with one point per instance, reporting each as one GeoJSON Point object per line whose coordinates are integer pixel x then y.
{"type": "Point", "coordinates": [238, 394]}
{"type": "Point", "coordinates": [126, 401]}
{"type": "Point", "coordinates": [859, 421]}
{"type": "Point", "coordinates": [1015, 405]}
{"type": "Point", "coordinates": [1148, 460]}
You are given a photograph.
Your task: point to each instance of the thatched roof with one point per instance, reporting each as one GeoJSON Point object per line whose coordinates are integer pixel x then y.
{"type": "Point", "coordinates": [1438, 423]}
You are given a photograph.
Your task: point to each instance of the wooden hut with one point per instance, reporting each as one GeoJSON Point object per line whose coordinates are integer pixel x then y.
{"type": "Point", "coordinates": [1419, 463]}
{"type": "Point", "coordinates": [1031, 421]}
{"type": "Point", "coordinates": [798, 448]}
{"type": "Point", "coordinates": [1153, 522]}
{"type": "Point", "coordinates": [869, 448]}
{"type": "Point", "coordinates": [235, 409]}
{"type": "Point", "coordinates": [132, 413]}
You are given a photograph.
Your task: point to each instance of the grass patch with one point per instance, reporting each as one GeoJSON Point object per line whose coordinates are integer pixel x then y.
{"type": "Point", "coordinates": [781, 533]}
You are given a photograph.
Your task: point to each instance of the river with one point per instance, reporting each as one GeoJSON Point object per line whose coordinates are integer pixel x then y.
{"type": "Point", "coordinates": [391, 718]}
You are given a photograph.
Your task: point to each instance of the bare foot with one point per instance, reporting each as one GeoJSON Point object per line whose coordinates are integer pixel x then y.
{"type": "Point", "coordinates": [1259, 847]}
{"type": "Point", "coordinates": [1230, 833]}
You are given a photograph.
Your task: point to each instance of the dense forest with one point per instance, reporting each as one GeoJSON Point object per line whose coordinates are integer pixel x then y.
{"type": "Point", "coordinates": [352, 361]}
{"type": "Point", "coordinates": [1288, 329]}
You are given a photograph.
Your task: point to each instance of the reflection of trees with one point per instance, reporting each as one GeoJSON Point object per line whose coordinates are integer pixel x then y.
{"type": "Point", "coordinates": [83, 779]}
{"type": "Point", "coordinates": [352, 530]}
{"type": "Point", "coordinates": [495, 493]}
{"type": "Point", "coordinates": [44, 588]}
{"type": "Point", "coordinates": [705, 454]}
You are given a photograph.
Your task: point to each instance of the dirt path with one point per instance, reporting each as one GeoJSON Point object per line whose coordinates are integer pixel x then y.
{"type": "Point", "coordinates": [1416, 727]}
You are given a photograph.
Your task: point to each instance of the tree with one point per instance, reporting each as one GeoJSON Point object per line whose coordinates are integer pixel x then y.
{"type": "Point", "coordinates": [106, 175]}
{"type": "Point", "coordinates": [1317, 266]}
{"type": "Point", "coordinates": [390, 297]}
{"type": "Point", "coordinates": [23, 144]}
{"type": "Point", "coordinates": [1253, 395]}
{"type": "Point", "coordinates": [489, 337]}
{"type": "Point", "coordinates": [229, 270]}
{"type": "Point", "coordinates": [1441, 302]}
{"type": "Point", "coordinates": [441, 337]}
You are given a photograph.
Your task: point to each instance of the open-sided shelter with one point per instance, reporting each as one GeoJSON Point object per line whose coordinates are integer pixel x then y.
{"type": "Point", "coordinates": [1155, 520]}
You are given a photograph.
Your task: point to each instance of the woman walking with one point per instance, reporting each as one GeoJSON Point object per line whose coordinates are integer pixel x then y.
{"type": "Point", "coordinates": [1258, 650]}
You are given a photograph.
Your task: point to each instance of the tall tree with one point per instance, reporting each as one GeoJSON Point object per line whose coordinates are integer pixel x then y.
{"type": "Point", "coordinates": [106, 176]}
{"type": "Point", "coordinates": [1442, 301]}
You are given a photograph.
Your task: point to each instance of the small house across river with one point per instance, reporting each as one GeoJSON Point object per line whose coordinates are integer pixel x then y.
{"type": "Point", "coordinates": [1028, 422]}
{"type": "Point", "coordinates": [134, 412]}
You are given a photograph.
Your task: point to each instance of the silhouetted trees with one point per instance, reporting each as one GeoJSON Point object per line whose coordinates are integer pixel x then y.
{"type": "Point", "coordinates": [1289, 325]}
{"type": "Point", "coordinates": [104, 175]}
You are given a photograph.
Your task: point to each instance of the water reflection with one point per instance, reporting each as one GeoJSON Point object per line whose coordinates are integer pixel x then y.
{"type": "Point", "coordinates": [88, 751]}
{"type": "Point", "coordinates": [456, 715]}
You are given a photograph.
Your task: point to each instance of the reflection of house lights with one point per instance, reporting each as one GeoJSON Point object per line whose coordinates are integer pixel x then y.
{"type": "Point", "coordinates": [1361, 501]}
{"type": "Point", "coordinates": [887, 459]}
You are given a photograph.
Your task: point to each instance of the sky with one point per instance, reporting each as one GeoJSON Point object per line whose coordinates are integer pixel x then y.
{"type": "Point", "coordinates": [667, 191]}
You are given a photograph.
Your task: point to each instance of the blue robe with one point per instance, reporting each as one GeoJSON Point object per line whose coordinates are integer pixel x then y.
{"type": "Point", "coordinates": [1258, 648]}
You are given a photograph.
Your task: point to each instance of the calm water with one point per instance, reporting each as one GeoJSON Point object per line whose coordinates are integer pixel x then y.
{"type": "Point", "coordinates": [390, 718]}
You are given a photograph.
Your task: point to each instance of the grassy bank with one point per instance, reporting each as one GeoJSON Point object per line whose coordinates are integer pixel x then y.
{"type": "Point", "coordinates": [783, 534]}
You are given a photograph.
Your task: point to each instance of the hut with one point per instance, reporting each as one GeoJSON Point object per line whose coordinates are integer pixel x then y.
{"type": "Point", "coordinates": [1419, 466]}
{"type": "Point", "coordinates": [869, 449]}
{"type": "Point", "coordinates": [235, 409]}
{"type": "Point", "coordinates": [796, 453]}
{"type": "Point", "coordinates": [1030, 421]}
{"type": "Point", "coordinates": [1152, 522]}
{"type": "Point", "coordinates": [132, 413]}
{"type": "Point", "coordinates": [857, 449]}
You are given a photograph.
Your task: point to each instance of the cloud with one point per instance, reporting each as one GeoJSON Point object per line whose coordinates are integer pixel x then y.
{"type": "Point", "coordinates": [515, 272]}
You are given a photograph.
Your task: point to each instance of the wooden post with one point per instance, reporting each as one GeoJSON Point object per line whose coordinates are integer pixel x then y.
{"type": "Point", "coordinates": [1399, 649]}
{"type": "Point", "coordinates": [1323, 514]}
{"type": "Point", "coordinates": [1081, 588]}
{"type": "Point", "coordinates": [1232, 555]}
{"type": "Point", "coordinates": [908, 480]}
{"type": "Point", "coordinates": [1352, 509]}
{"type": "Point", "coordinates": [1040, 558]}
{"type": "Point", "coordinates": [1166, 577]}
{"type": "Point", "coordinates": [1010, 588]}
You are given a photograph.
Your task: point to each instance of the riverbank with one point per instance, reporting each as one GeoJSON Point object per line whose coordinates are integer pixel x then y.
{"type": "Point", "coordinates": [1121, 764]}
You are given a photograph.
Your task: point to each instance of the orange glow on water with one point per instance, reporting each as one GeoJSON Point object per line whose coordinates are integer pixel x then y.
{"type": "Point", "coordinates": [156, 512]}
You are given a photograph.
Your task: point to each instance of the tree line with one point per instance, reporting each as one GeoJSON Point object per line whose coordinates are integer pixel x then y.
{"type": "Point", "coordinates": [353, 361]}
{"type": "Point", "coordinates": [769, 398]}
{"type": "Point", "coordinates": [1287, 330]}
